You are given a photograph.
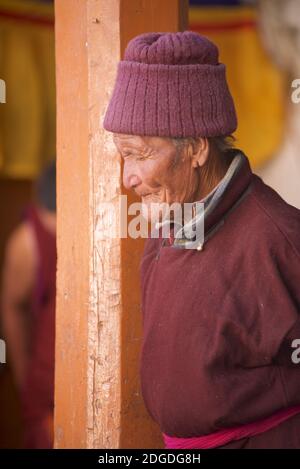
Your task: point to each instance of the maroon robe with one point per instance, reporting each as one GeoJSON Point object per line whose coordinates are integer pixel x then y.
{"type": "Point", "coordinates": [219, 323]}
{"type": "Point", "coordinates": [38, 392]}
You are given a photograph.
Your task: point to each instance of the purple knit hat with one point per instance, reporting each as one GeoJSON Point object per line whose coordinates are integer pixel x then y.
{"type": "Point", "coordinates": [171, 85]}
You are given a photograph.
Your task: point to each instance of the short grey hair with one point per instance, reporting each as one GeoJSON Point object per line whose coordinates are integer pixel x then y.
{"type": "Point", "coordinates": [223, 143]}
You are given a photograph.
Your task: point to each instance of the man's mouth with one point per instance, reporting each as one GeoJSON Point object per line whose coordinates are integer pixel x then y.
{"type": "Point", "coordinates": [145, 195]}
{"type": "Point", "coordinates": [150, 196]}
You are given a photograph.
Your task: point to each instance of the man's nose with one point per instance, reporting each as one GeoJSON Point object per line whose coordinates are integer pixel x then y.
{"type": "Point", "coordinates": [130, 178]}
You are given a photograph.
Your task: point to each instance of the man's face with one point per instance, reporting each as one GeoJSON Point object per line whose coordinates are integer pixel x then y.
{"type": "Point", "coordinates": [156, 169]}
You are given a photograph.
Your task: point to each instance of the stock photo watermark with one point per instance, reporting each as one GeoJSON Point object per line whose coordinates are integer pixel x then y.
{"type": "Point", "coordinates": [295, 97]}
{"type": "Point", "coordinates": [2, 91]}
{"type": "Point", "coordinates": [153, 220]}
{"type": "Point", "coordinates": [2, 351]}
{"type": "Point", "coordinates": [296, 352]}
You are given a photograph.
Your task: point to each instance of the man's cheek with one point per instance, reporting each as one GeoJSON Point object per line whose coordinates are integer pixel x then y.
{"type": "Point", "coordinates": [152, 182]}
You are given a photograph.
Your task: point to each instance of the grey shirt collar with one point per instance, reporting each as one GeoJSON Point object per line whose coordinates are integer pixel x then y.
{"type": "Point", "coordinates": [184, 236]}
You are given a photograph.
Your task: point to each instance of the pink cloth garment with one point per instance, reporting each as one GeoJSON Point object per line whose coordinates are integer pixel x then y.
{"type": "Point", "coordinates": [222, 437]}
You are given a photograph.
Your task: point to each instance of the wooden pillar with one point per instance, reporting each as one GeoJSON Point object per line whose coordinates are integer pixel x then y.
{"type": "Point", "coordinates": [98, 319]}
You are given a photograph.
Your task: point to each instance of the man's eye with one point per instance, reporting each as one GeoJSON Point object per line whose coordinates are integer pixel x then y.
{"type": "Point", "coordinates": [136, 157]}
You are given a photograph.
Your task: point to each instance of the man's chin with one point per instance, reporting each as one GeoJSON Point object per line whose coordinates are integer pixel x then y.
{"type": "Point", "coordinates": [147, 208]}
{"type": "Point", "coordinates": [153, 210]}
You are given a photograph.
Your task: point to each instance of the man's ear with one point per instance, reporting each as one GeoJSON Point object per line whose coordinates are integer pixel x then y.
{"type": "Point", "coordinates": [199, 149]}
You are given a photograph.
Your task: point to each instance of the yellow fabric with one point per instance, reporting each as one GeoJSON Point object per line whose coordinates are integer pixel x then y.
{"type": "Point", "coordinates": [27, 119]}
{"type": "Point", "coordinates": [34, 7]}
{"type": "Point", "coordinates": [256, 85]}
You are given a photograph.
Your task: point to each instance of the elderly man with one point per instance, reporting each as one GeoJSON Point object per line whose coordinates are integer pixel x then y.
{"type": "Point", "coordinates": [219, 364]}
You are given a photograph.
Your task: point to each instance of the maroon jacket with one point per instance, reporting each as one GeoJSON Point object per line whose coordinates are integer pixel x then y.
{"type": "Point", "coordinates": [219, 323]}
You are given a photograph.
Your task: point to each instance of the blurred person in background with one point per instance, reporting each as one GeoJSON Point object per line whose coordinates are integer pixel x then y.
{"type": "Point", "coordinates": [28, 310]}
{"type": "Point", "coordinates": [280, 29]}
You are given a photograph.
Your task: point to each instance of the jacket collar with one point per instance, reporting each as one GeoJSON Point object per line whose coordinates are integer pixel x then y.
{"type": "Point", "coordinates": [222, 200]}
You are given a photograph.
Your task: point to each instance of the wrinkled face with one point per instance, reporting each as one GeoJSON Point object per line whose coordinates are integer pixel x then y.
{"type": "Point", "coordinates": [157, 170]}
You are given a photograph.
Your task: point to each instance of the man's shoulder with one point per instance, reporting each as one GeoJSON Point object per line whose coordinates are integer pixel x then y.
{"type": "Point", "coordinates": [276, 220]}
